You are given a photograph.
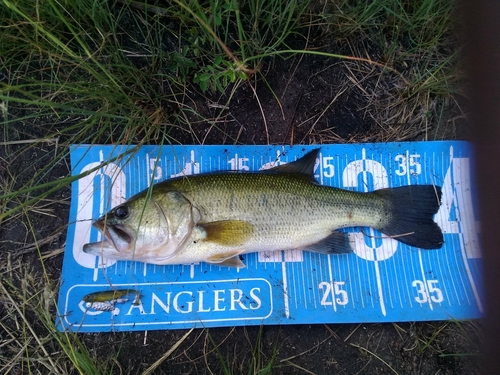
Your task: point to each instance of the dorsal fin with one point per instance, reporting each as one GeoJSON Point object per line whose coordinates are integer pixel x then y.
{"type": "Point", "coordinates": [304, 165]}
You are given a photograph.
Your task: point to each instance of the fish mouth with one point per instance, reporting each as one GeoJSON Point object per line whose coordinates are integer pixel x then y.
{"type": "Point", "coordinates": [103, 247]}
{"type": "Point", "coordinates": [115, 233]}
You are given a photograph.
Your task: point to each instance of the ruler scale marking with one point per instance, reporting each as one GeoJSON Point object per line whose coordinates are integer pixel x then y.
{"type": "Point", "coordinates": [384, 287]}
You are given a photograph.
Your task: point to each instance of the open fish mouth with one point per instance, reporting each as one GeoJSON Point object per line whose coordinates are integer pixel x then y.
{"type": "Point", "coordinates": [103, 247]}
{"type": "Point", "coordinates": [115, 238]}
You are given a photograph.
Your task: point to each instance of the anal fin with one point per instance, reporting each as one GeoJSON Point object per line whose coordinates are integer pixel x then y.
{"type": "Point", "coordinates": [234, 262]}
{"type": "Point", "coordinates": [336, 243]}
{"type": "Point", "coordinates": [228, 259]}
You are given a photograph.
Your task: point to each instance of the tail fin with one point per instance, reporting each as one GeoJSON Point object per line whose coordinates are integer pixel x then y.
{"type": "Point", "coordinates": [411, 210]}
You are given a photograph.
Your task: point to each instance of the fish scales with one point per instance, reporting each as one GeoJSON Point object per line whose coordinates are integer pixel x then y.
{"type": "Point", "coordinates": [286, 210]}
{"type": "Point", "coordinates": [216, 217]}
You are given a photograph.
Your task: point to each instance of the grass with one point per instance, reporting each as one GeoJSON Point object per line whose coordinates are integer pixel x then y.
{"type": "Point", "coordinates": [128, 72]}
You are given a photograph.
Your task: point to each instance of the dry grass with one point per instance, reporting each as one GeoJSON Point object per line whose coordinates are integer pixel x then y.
{"type": "Point", "coordinates": [105, 73]}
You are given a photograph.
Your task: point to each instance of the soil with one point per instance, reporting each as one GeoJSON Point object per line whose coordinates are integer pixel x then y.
{"type": "Point", "coordinates": [314, 101]}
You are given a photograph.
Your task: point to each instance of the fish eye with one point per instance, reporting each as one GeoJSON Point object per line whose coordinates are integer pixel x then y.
{"type": "Point", "coordinates": [121, 212]}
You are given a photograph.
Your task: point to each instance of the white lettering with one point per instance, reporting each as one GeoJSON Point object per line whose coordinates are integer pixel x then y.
{"type": "Point", "coordinates": [237, 300]}
{"type": "Point", "coordinates": [258, 302]}
{"type": "Point", "coordinates": [217, 299]}
{"type": "Point", "coordinates": [188, 303]}
{"type": "Point", "coordinates": [136, 306]}
{"type": "Point", "coordinates": [160, 303]}
{"type": "Point", "coordinates": [200, 302]}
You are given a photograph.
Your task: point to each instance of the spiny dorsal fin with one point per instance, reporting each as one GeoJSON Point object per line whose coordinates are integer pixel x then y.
{"type": "Point", "coordinates": [304, 165]}
{"type": "Point", "coordinates": [227, 232]}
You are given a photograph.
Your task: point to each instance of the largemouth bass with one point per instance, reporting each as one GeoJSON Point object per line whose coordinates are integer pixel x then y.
{"type": "Point", "coordinates": [216, 217]}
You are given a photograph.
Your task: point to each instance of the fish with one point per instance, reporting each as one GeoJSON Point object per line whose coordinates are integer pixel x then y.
{"type": "Point", "coordinates": [217, 217]}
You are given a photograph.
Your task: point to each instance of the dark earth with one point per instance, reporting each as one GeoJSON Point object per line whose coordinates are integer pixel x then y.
{"type": "Point", "coordinates": [321, 100]}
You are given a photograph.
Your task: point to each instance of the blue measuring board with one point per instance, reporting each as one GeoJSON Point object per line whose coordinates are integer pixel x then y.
{"type": "Point", "coordinates": [383, 280]}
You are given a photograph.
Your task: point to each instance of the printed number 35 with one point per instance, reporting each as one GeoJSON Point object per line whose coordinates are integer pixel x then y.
{"type": "Point", "coordinates": [432, 292]}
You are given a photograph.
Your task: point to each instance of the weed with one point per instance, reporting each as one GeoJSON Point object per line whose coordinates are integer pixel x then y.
{"type": "Point", "coordinates": [131, 72]}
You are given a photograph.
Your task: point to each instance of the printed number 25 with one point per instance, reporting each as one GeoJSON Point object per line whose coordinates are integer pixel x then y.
{"type": "Point", "coordinates": [327, 166]}
{"type": "Point", "coordinates": [341, 294]}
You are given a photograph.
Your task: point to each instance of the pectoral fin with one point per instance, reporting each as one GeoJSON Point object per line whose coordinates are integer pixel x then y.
{"type": "Point", "coordinates": [228, 259]}
{"type": "Point", "coordinates": [336, 243]}
{"type": "Point", "coordinates": [227, 232]}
